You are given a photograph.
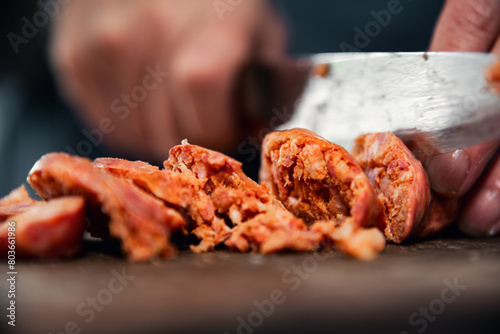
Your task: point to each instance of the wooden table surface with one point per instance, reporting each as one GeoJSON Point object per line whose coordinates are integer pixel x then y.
{"type": "Point", "coordinates": [442, 285]}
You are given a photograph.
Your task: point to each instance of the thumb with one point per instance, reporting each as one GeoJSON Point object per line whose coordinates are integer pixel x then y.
{"type": "Point", "coordinates": [453, 174]}
{"type": "Point", "coordinates": [481, 214]}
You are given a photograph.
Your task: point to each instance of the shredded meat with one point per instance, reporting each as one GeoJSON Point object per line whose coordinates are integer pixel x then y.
{"type": "Point", "coordinates": [320, 182]}
{"type": "Point", "coordinates": [14, 203]}
{"type": "Point", "coordinates": [178, 190]}
{"type": "Point", "coordinates": [206, 194]}
{"type": "Point", "coordinates": [258, 221]}
{"type": "Point", "coordinates": [52, 229]}
{"type": "Point", "coordinates": [399, 179]}
{"type": "Point", "coordinates": [224, 206]}
{"type": "Point", "coordinates": [221, 204]}
{"type": "Point", "coordinates": [361, 243]}
{"type": "Point", "coordinates": [116, 208]}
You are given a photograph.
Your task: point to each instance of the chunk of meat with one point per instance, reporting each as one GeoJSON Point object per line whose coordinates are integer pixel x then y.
{"type": "Point", "coordinates": [257, 220]}
{"type": "Point", "coordinates": [52, 229]}
{"type": "Point", "coordinates": [222, 204]}
{"type": "Point", "coordinates": [14, 203]}
{"type": "Point", "coordinates": [322, 183]}
{"type": "Point", "coordinates": [273, 231]}
{"type": "Point", "coordinates": [179, 190]}
{"type": "Point", "coordinates": [17, 196]}
{"type": "Point", "coordinates": [116, 208]}
{"type": "Point", "coordinates": [318, 180]}
{"type": "Point", "coordinates": [399, 179]}
{"type": "Point", "coordinates": [361, 243]}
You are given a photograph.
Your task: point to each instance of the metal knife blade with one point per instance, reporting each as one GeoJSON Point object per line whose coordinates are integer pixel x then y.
{"type": "Point", "coordinates": [436, 102]}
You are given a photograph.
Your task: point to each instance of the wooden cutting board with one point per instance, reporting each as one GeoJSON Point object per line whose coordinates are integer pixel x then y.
{"type": "Point", "coordinates": [443, 285]}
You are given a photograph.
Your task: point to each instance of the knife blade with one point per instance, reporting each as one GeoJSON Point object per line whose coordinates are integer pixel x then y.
{"type": "Point", "coordinates": [436, 102]}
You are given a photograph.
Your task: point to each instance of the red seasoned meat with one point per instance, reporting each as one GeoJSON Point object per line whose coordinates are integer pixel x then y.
{"type": "Point", "coordinates": [116, 208]}
{"type": "Point", "coordinates": [17, 196]}
{"type": "Point", "coordinates": [15, 202]}
{"type": "Point", "coordinates": [399, 179]}
{"type": "Point", "coordinates": [361, 243]}
{"type": "Point", "coordinates": [41, 230]}
{"type": "Point", "coordinates": [318, 180]}
{"type": "Point", "coordinates": [225, 206]}
{"type": "Point", "coordinates": [222, 204]}
{"type": "Point", "coordinates": [47, 230]}
{"type": "Point", "coordinates": [258, 221]}
{"type": "Point", "coordinates": [179, 190]}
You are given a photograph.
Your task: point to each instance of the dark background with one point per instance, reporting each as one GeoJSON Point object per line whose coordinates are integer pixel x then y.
{"type": "Point", "coordinates": [34, 120]}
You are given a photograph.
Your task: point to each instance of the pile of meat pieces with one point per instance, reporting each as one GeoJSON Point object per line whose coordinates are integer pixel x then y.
{"type": "Point", "coordinates": [313, 195]}
{"type": "Point", "coordinates": [381, 184]}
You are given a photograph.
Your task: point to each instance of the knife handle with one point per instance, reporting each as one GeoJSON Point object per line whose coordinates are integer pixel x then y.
{"type": "Point", "coordinates": [263, 89]}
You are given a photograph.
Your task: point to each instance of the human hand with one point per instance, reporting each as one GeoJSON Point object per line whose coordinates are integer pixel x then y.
{"type": "Point", "coordinates": [473, 173]}
{"type": "Point", "coordinates": [161, 70]}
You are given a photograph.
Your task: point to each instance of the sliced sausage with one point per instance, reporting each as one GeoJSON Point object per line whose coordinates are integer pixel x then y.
{"type": "Point", "coordinates": [399, 179]}
{"type": "Point", "coordinates": [318, 180]}
{"type": "Point", "coordinates": [116, 208]}
{"type": "Point", "coordinates": [52, 229]}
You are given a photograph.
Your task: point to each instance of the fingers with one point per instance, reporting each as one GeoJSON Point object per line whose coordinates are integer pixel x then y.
{"type": "Point", "coordinates": [453, 174]}
{"type": "Point", "coordinates": [203, 70]}
{"type": "Point", "coordinates": [271, 38]}
{"type": "Point", "coordinates": [62, 48]}
{"type": "Point", "coordinates": [106, 53]}
{"type": "Point", "coordinates": [99, 50]}
{"type": "Point", "coordinates": [120, 41]}
{"type": "Point", "coordinates": [156, 110]}
{"type": "Point", "coordinates": [481, 214]}
{"type": "Point", "coordinates": [467, 25]}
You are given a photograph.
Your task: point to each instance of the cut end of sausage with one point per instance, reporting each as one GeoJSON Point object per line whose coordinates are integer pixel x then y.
{"type": "Point", "coordinates": [317, 180]}
{"type": "Point", "coordinates": [116, 208]}
{"type": "Point", "coordinates": [399, 180]}
{"type": "Point", "coordinates": [52, 229]}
